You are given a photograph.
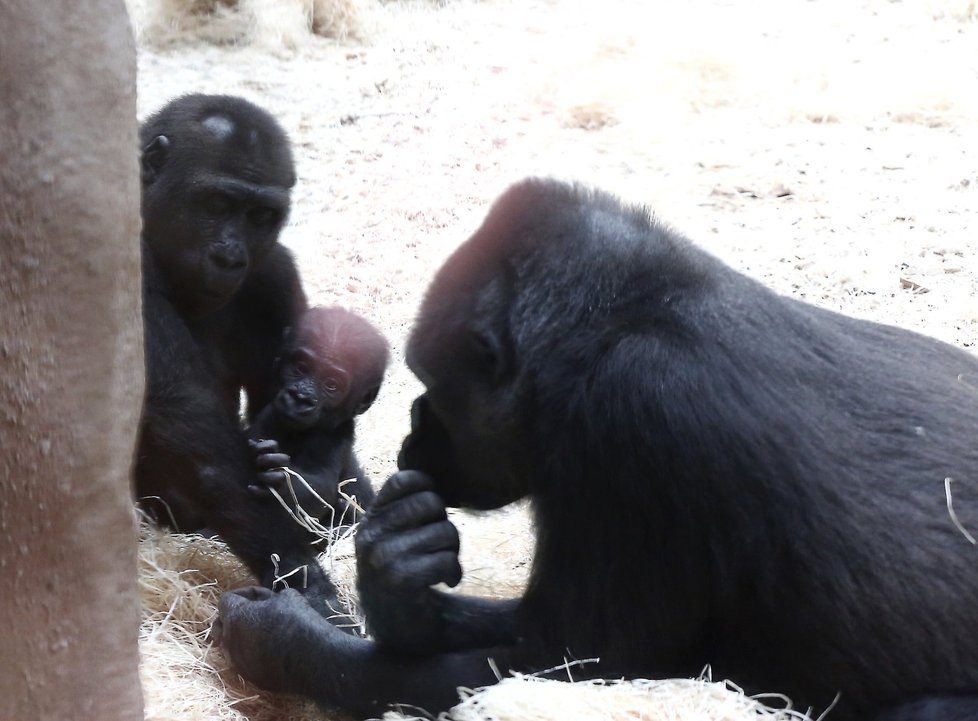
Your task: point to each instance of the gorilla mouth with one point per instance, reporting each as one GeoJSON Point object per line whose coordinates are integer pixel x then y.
{"type": "Point", "coordinates": [299, 417]}
{"type": "Point", "coordinates": [210, 299]}
{"type": "Point", "coordinates": [220, 288]}
{"type": "Point", "coordinates": [221, 291]}
{"type": "Point", "coordinates": [304, 414]}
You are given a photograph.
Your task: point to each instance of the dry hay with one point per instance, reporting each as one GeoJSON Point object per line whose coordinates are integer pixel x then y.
{"type": "Point", "coordinates": [184, 676]}
{"type": "Point", "coordinates": [527, 698]}
{"type": "Point", "coordinates": [271, 24]}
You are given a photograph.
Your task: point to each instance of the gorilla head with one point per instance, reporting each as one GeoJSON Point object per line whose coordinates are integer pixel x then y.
{"type": "Point", "coordinates": [216, 173]}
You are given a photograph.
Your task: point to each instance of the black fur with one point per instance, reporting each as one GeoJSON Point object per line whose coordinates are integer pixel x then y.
{"type": "Point", "coordinates": [719, 475]}
{"type": "Point", "coordinates": [218, 293]}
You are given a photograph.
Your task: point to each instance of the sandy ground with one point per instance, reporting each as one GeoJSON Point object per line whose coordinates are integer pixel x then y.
{"type": "Point", "coordinates": [825, 147]}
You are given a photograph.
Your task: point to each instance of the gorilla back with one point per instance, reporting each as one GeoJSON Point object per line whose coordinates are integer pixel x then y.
{"type": "Point", "coordinates": [779, 470]}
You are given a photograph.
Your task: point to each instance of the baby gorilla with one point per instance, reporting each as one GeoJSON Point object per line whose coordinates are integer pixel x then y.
{"type": "Point", "coordinates": [330, 369]}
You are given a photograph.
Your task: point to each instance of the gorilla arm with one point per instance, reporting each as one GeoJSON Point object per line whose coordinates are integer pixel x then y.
{"type": "Point", "coordinates": [277, 641]}
{"type": "Point", "coordinates": [269, 302]}
{"type": "Point", "coordinates": [429, 643]}
{"type": "Point", "coordinates": [190, 444]}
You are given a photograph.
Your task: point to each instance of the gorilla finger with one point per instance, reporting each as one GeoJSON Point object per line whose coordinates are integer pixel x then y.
{"type": "Point", "coordinates": [410, 512]}
{"type": "Point", "coordinates": [252, 593]}
{"type": "Point", "coordinates": [422, 541]}
{"type": "Point", "coordinates": [216, 631]}
{"type": "Point", "coordinates": [273, 479]}
{"type": "Point", "coordinates": [264, 446]}
{"type": "Point", "coordinates": [259, 491]}
{"type": "Point", "coordinates": [232, 604]}
{"type": "Point", "coordinates": [268, 461]}
{"type": "Point", "coordinates": [442, 567]}
{"type": "Point", "coordinates": [401, 484]}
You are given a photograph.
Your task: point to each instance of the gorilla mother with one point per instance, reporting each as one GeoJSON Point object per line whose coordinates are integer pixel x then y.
{"type": "Point", "coordinates": [719, 475]}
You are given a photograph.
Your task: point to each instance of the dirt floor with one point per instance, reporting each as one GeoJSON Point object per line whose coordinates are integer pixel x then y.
{"type": "Point", "coordinates": [827, 148]}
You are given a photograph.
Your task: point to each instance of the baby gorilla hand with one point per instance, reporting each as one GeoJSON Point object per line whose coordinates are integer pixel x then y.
{"type": "Point", "coordinates": [405, 545]}
{"type": "Point", "coordinates": [269, 462]}
{"type": "Point", "coordinates": [271, 638]}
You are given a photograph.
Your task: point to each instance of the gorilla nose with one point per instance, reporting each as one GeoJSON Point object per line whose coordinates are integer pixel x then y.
{"type": "Point", "coordinates": [302, 401]}
{"type": "Point", "coordinates": [419, 411]}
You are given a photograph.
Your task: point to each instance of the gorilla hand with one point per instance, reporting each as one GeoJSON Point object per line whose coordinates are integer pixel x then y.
{"type": "Point", "coordinates": [271, 638]}
{"type": "Point", "coordinates": [269, 462]}
{"type": "Point", "coordinates": [405, 545]}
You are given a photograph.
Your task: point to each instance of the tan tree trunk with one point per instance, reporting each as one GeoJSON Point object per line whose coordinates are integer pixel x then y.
{"type": "Point", "coordinates": [71, 372]}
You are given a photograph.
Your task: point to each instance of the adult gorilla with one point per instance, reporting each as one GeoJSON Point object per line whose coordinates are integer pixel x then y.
{"type": "Point", "coordinates": [719, 475]}
{"type": "Point", "coordinates": [219, 292]}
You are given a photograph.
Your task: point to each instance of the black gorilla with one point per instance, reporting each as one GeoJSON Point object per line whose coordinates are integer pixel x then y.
{"type": "Point", "coordinates": [219, 292]}
{"type": "Point", "coordinates": [330, 370]}
{"type": "Point", "coordinates": [719, 475]}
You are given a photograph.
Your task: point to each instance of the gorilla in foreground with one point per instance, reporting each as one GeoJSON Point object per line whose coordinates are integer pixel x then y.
{"type": "Point", "coordinates": [719, 475]}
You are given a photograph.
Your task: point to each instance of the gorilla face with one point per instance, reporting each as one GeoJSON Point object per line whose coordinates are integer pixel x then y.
{"type": "Point", "coordinates": [207, 239]}
{"type": "Point", "coordinates": [331, 369]}
{"type": "Point", "coordinates": [466, 431]}
{"type": "Point", "coordinates": [214, 201]}
{"type": "Point", "coordinates": [314, 391]}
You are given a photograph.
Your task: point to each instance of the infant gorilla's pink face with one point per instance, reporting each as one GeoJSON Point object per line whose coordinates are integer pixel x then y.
{"type": "Point", "coordinates": [330, 369]}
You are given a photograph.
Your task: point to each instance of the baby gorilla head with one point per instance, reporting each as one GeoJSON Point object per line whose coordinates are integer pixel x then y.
{"type": "Point", "coordinates": [331, 366]}
{"type": "Point", "coordinates": [330, 370]}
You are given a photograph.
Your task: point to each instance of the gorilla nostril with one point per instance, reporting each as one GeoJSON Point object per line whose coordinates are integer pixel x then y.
{"type": "Point", "coordinates": [301, 399]}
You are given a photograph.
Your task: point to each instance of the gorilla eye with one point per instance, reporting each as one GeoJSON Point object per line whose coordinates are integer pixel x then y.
{"type": "Point", "coordinates": [301, 366]}
{"type": "Point", "coordinates": [263, 217]}
{"type": "Point", "coordinates": [331, 386]}
{"type": "Point", "coordinates": [217, 204]}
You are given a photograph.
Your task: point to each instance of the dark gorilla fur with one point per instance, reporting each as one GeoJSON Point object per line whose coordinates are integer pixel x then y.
{"type": "Point", "coordinates": [330, 369]}
{"type": "Point", "coordinates": [219, 292]}
{"type": "Point", "coordinates": [719, 475]}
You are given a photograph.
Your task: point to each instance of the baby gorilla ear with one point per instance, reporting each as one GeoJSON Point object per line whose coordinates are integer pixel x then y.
{"type": "Point", "coordinates": [366, 400]}
{"type": "Point", "coordinates": [154, 158]}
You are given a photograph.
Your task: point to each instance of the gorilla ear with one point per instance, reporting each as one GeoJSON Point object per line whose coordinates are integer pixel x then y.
{"type": "Point", "coordinates": [154, 158]}
{"type": "Point", "coordinates": [366, 401]}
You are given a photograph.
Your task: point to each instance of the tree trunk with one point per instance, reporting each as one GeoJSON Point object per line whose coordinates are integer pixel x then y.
{"type": "Point", "coordinates": [71, 371]}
